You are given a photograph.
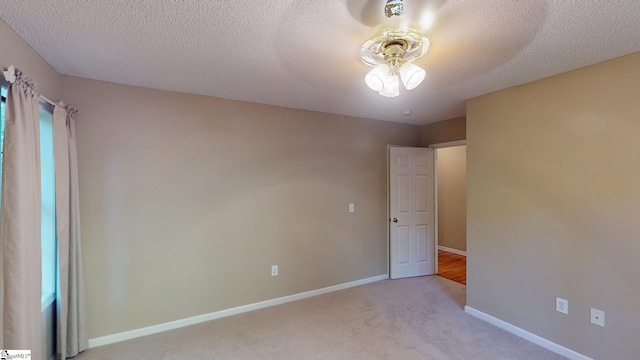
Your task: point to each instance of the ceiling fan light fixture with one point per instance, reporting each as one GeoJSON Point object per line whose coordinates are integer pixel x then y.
{"type": "Point", "coordinates": [376, 78]}
{"type": "Point", "coordinates": [392, 51]}
{"type": "Point", "coordinates": [411, 75]}
{"type": "Point", "coordinates": [391, 86]}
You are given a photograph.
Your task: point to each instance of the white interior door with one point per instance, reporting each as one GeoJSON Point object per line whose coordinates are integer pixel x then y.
{"type": "Point", "coordinates": [411, 210]}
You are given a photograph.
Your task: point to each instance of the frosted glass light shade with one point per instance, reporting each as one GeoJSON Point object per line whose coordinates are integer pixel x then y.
{"type": "Point", "coordinates": [412, 75]}
{"type": "Point", "coordinates": [391, 86]}
{"type": "Point", "coordinates": [375, 78]}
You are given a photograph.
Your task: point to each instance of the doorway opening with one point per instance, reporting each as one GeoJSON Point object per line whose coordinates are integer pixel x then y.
{"type": "Point", "coordinates": [450, 210]}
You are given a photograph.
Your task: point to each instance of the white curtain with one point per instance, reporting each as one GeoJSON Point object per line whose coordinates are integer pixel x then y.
{"type": "Point", "coordinates": [72, 336]}
{"type": "Point", "coordinates": [20, 257]}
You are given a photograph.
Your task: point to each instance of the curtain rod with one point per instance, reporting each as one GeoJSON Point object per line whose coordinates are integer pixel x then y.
{"type": "Point", "coordinates": [10, 77]}
{"type": "Point", "coordinates": [46, 100]}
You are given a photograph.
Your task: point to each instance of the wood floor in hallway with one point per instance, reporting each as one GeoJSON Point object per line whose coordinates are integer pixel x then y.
{"type": "Point", "coordinates": [452, 266]}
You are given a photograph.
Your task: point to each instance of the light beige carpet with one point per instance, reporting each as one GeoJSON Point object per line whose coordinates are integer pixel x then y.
{"type": "Point", "coordinates": [416, 318]}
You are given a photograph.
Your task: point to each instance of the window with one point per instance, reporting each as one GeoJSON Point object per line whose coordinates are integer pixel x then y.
{"type": "Point", "coordinates": [48, 210]}
{"type": "Point", "coordinates": [3, 93]}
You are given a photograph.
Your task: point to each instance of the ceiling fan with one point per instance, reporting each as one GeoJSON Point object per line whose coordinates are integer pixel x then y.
{"type": "Point", "coordinates": [467, 39]}
{"type": "Point", "coordinates": [391, 49]}
{"type": "Point", "coordinates": [463, 39]}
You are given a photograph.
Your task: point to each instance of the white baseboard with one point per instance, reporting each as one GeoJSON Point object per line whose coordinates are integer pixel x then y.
{"type": "Point", "coordinates": [132, 334]}
{"type": "Point", "coordinates": [455, 251]}
{"type": "Point", "coordinates": [549, 345]}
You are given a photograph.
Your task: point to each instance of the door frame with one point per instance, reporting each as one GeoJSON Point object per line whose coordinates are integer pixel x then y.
{"type": "Point", "coordinates": [435, 185]}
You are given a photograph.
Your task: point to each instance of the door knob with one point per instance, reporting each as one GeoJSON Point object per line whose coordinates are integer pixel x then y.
{"type": "Point", "coordinates": [394, 220]}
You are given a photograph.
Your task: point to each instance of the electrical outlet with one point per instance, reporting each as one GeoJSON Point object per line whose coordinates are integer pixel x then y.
{"type": "Point", "coordinates": [597, 317]}
{"type": "Point", "coordinates": [352, 207]}
{"type": "Point", "coordinates": [274, 270]}
{"type": "Point", "coordinates": [562, 305]}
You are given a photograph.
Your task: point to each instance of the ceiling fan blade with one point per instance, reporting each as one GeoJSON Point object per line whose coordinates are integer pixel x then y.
{"type": "Point", "coordinates": [468, 40]}
{"type": "Point", "coordinates": [320, 46]}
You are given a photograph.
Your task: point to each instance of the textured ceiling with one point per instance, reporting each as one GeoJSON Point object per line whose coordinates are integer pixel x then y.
{"type": "Point", "coordinates": [305, 54]}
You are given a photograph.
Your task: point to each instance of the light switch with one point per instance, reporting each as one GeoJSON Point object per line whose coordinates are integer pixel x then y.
{"type": "Point", "coordinates": [352, 207]}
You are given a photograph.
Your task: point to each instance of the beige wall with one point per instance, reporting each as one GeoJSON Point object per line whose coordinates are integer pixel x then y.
{"type": "Point", "coordinates": [443, 131]}
{"type": "Point", "coordinates": [452, 197]}
{"type": "Point", "coordinates": [15, 51]}
{"type": "Point", "coordinates": [187, 201]}
{"type": "Point", "coordinates": [553, 206]}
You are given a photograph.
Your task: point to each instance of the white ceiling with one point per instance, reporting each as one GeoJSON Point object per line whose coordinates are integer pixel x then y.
{"type": "Point", "coordinates": [305, 54]}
